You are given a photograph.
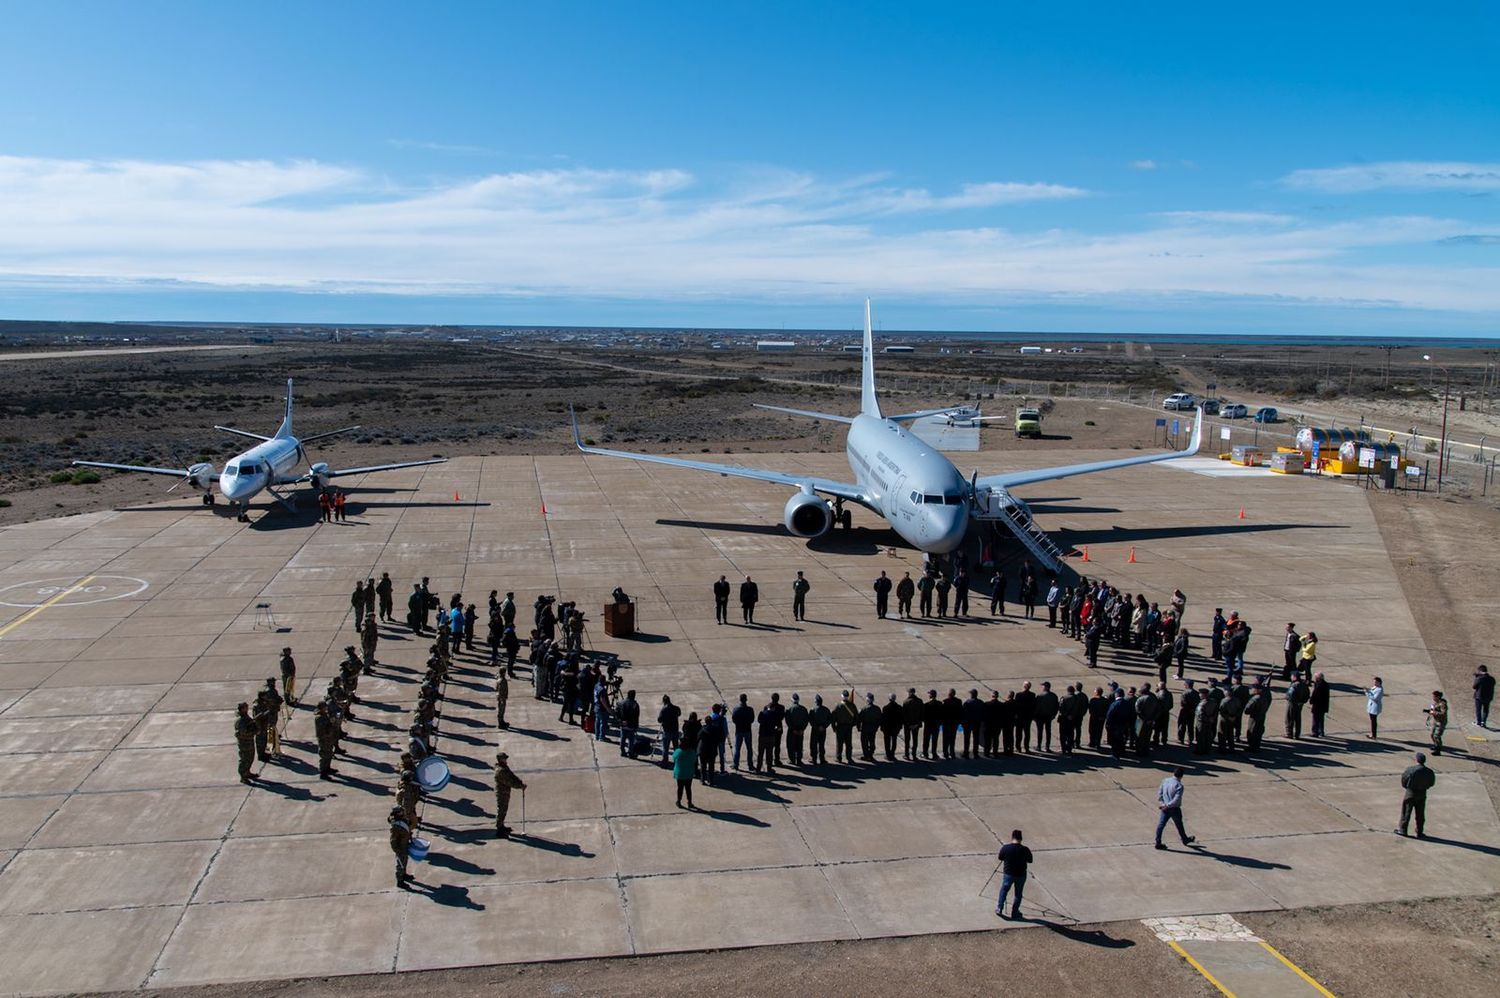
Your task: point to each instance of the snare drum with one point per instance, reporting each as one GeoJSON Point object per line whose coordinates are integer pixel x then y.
{"type": "Point", "coordinates": [432, 774]}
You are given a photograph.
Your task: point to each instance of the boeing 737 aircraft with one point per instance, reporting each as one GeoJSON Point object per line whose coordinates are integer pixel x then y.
{"type": "Point", "coordinates": [905, 480]}
{"type": "Point", "coordinates": [271, 463]}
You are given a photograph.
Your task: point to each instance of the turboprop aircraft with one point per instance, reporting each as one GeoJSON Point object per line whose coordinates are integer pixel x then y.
{"type": "Point", "coordinates": [903, 479]}
{"type": "Point", "coordinates": [268, 465]}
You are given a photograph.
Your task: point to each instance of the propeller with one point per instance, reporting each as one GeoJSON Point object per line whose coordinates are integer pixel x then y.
{"type": "Point", "coordinates": [186, 478]}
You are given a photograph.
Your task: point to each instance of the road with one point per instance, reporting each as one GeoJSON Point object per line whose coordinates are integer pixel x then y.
{"type": "Point", "coordinates": [120, 351]}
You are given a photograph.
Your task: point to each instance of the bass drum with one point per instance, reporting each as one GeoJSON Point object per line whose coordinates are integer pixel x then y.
{"type": "Point", "coordinates": [432, 774]}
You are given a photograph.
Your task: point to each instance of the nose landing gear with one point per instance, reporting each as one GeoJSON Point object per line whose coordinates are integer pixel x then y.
{"type": "Point", "coordinates": [841, 516]}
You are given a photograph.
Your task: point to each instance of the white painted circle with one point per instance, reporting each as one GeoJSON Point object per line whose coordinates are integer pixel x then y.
{"type": "Point", "coordinates": [101, 589]}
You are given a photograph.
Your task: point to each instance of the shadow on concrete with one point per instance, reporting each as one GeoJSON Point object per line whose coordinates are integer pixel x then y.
{"type": "Point", "coordinates": [447, 862]}
{"type": "Point", "coordinates": [1472, 846]}
{"type": "Point", "coordinates": [544, 736]}
{"type": "Point", "coordinates": [1245, 862]}
{"type": "Point", "coordinates": [733, 817]}
{"type": "Point", "coordinates": [1088, 937]}
{"type": "Point", "coordinates": [572, 849]}
{"type": "Point", "coordinates": [856, 541]}
{"type": "Point", "coordinates": [448, 895]}
{"type": "Point", "coordinates": [1127, 535]}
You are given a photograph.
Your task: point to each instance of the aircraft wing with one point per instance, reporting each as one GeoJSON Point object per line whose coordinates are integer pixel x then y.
{"type": "Point", "coordinates": [1010, 480]}
{"type": "Point", "coordinates": [841, 490]}
{"type": "Point", "coordinates": [143, 469]}
{"type": "Point", "coordinates": [902, 417]}
{"type": "Point", "coordinates": [341, 472]}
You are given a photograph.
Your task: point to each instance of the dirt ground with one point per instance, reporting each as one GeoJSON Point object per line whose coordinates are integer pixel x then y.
{"type": "Point", "coordinates": [1117, 959]}
{"type": "Point", "coordinates": [415, 399]}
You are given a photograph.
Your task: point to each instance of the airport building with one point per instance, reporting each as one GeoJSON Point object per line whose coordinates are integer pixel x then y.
{"type": "Point", "coordinates": [772, 345]}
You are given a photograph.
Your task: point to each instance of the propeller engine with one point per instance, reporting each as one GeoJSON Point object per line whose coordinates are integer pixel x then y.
{"type": "Point", "coordinates": [807, 515]}
{"type": "Point", "coordinates": [320, 475]}
{"type": "Point", "coordinates": [200, 476]}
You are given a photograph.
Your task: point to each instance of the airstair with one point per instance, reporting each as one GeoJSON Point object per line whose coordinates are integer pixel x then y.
{"type": "Point", "coordinates": [997, 507]}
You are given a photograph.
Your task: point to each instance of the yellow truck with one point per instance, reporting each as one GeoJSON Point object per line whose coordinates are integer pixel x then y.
{"type": "Point", "coordinates": [1028, 422]}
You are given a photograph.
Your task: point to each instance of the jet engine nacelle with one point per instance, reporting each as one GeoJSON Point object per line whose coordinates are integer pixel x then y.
{"type": "Point", "coordinates": [320, 476]}
{"type": "Point", "coordinates": [201, 476]}
{"type": "Point", "coordinates": [807, 515]}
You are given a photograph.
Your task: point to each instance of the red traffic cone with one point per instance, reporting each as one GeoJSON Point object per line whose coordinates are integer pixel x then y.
{"type": "Point", "coordinates": [455, 495]}
{"type": "Point", "coordinates": [1085, 552]}
{"type": "Point", "coordinates": [544, 509]}
{"type": "Point", "coordinates": [1242, 512]}
{"type": "Point", "coordinates": [1131, 559]}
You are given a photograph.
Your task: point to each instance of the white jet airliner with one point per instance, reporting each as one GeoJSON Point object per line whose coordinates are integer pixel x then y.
{"type": "Point", "coordinates": [903, 479]}
{"type": "Point", "coordinates": [269, 464]}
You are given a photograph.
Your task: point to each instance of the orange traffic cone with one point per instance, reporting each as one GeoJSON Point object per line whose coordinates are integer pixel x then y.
{"type": "Point", "coordinates": [544, 509]}
{"type": "Point", "coordinates": [1131, 559]}
{"type": "Point", "coordinates": [1242, 512]}
{"type": "Point", "coordinates": [455, 495]}
{"type": "Point", "coordinates": [1085, 552]}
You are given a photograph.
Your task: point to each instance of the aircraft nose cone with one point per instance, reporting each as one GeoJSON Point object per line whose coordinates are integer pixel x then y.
{"type": "Point", "coordinates": [235, 490]}
{"type": "Point", "coordinates": [949, 529]}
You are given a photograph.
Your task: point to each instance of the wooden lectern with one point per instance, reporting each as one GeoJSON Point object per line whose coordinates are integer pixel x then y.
{"type": "Point", "coordinates": [619, 620]}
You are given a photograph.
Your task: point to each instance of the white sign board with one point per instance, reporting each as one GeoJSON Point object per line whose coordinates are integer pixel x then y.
{"type": "Point", "coordinates": [1224, 432]}
{"type": "Point", "coordinates": [1412, 471]}
{"type": "Point", "coordinates": [1367, 457]}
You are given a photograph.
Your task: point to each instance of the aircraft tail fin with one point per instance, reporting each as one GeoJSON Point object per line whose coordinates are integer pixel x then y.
{"type": "Point", "coordinates": [285, 429]}
{"type": "Point", "coordinates": [869, 405]}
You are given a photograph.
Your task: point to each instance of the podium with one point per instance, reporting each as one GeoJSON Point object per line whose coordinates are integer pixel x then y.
{"type": "Point", "coordinates": [619, 619]}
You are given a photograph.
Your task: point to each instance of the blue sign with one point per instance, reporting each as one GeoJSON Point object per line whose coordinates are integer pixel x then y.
{"type": "Point", "coordinates": [1160, 421]}
{"type": "Point", "coordinates": [1176, 427]}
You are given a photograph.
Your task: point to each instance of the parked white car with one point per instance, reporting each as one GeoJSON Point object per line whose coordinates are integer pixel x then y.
{"type": "Point", "coordinates": [1181, 400]}
{"type": "Point", "coordinates": [1233, 410]}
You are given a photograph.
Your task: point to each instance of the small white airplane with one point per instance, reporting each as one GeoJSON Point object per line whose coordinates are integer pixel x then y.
{"type": "Point", "coordinates": [901, 478]}
{"type": "Point", "coordinates": [263, 468]}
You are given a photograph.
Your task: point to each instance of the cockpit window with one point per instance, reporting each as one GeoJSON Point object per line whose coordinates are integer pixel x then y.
{"type": "Point", "coordinates": [916, 498]}
{"type": "Point", "coordinates": [231, 470]}
{"type": "Point", "coordinates": [249, 469]}
{"type": "Point", "coordinates": [953, 500]}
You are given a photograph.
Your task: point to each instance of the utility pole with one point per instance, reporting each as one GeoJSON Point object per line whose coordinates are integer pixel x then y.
{"type": "Point", "coordinates": [1443, 433]}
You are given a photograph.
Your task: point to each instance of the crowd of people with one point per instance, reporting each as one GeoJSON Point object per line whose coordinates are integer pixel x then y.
{"type": "Point", "coordinates": [1218, 714]}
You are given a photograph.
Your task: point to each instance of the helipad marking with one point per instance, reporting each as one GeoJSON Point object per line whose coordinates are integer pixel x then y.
{"type": "Point", "coordinates": [45, 591]}
{"type": "Point", "coordinates": [38, 609]}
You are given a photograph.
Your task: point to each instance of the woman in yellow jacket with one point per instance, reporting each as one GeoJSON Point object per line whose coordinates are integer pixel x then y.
{"type": "Point", "coordinates": [1308, 655]}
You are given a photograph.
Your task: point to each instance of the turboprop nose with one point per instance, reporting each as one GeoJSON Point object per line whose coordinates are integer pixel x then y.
{"type": "Point", "coordinates": [237, 488]}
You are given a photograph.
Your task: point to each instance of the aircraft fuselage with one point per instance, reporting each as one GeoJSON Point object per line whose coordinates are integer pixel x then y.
{"type": "Point", "coordinates": [248, 474]}
{"type": "Point", "coordinates": [907, 481]}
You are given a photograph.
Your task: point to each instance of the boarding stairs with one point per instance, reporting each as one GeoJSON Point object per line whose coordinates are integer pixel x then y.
{"type": "Point", "coordinates": [997, 507]}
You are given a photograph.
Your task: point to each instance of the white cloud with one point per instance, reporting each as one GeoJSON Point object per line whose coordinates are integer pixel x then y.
{"type": "Point", "coordinates": [1143, 164]}
{"type": "Point", "coordinates": [652, 234]}
{"type": "Point", "coordinates": [1398, 176]}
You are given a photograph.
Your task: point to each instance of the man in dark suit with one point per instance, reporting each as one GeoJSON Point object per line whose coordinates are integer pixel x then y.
{"type": "Point", "coordinates": [1291, 644]}
{"type": "Point", "coordinates": [882, 596]}
{"type": "Point", "coordinates": [1318, 700]}
{"type": "Point", "coordinates": [749, 596]}
{"type": "Point", "coordinates": [721, 601]}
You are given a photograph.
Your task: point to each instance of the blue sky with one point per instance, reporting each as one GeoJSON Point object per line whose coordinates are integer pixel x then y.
{"type": "Point", "coordinates": [1330, 168]}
